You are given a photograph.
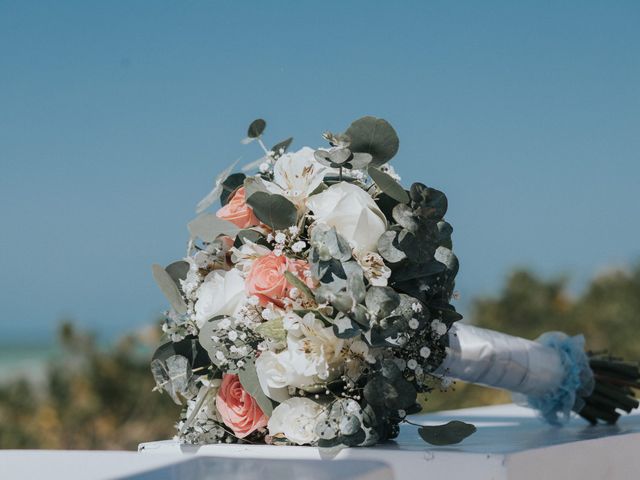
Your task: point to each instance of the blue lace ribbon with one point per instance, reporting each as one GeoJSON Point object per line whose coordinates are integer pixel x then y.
{"type": "Point", "coordinates": [555, 406]}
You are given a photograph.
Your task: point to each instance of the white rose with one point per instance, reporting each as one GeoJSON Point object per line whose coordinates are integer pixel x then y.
{"type": "Point", "coordinates": [352, 212]}
{"type": "Point", "coordinates": [274, 374]}
{"type": "Point", "coordinates": [296, 418]}
{"type": "Point", "coordinates": [222, 293]}
{"type": "Point", "coordinates": [296, 175]}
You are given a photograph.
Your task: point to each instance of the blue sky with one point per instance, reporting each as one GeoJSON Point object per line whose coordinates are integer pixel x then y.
{"type": "Point", "coordinates": [116, 116]}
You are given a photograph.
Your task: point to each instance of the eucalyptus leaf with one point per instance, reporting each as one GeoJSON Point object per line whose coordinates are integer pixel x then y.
{"type": "Point", "coordinates": [272, 329]}
{"type": "Point", "coordinates": [273, 210]}
{"type": "Point", "coordinates": [429, 202]}
{"type": "Point", "coordinates": [386, 204]}
{"type": "Point", "coordinates": [445, 230]}
{"type": "Point", "coordinates": [207, 227]}
{"type": "Point", "coordinates": [359, 160]}
{"type": "Point", "coordinates": [249, 380]}
{"type": "Point", "coordinates": [355, 282]}
{"type": "Point", "coordinates": [253, 185]}
{"type": "Point", "coordinates": [334, 158]}
{"type": "Point", "coordinates": [188, 347]}
{"type": "Point", "coordinates": [329, 244]}
{"type": "Point", "coordinates": [447, 434]}
{"type": "Point", "coordinates": [174, 376]}
{"type": "Point", "coordinates": [207, 331]}
{"type": "Point", "coordinates": [212, 196]}
{"type": "Point", "coordinates": [388, 248]}
{"type": "Point", "coordinates": [390, 370]}
{"type": "Point", "coordinates": [344, 327]}
{"type": "Point", "coordinates": [360, 315]}
{"type": "Point", "coordinates": [381, 301]}
{"type": "Point", "coordinates": [443, 310]}
{"type": "Point", "coordinates": [169, 288]}
{"type": "Point", "coordinates": [299, 284]}
{"type": "Point", "coordinates": [342, 301]}
{"type": "Point", "coordinates": [374, 136]}
{"type": "Point", "coordinates": [178, 271]}
{"type": "Point", "coordinates": [448, 258]}
{"type": "Point", "coordinates": [250, 235]}
{"type": "Point", "coordinates": [403, 214]}
{"type": "Point", "coordinates": [391, 394]}
{"type": "Point", "coordinates": [256, 128]}
{"type": "Point", "coordinates": [418, 270]}
{"type": "Point", "coordinates": [230, 185]}
{"type": "Point", "coordinates": [386, 335]}
{"type": "Point", "coordinates": [283, 145]}
{"type": "Point", "coordinates": [388, 185]}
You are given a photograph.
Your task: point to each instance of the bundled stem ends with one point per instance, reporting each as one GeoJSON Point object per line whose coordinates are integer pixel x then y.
{"type": "Point", "coordinates": [615, 381]}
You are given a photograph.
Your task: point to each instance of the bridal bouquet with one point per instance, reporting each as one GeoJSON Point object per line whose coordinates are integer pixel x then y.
{"type": "Point", "coordinates": [313, 306]}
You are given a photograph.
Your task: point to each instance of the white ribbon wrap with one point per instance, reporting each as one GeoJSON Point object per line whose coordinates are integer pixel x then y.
{"type": "Point", "coordinates": [486, 357]}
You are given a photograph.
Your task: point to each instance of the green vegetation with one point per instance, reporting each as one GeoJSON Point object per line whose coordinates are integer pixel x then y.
{"type": "Point", "coordinates": [93, 399]}
{"type": "Point", "coordinates": [102, 398]}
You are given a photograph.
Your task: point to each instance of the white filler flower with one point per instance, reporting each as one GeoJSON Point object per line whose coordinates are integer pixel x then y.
{"type": "Point", "coordinates": [296, 175]}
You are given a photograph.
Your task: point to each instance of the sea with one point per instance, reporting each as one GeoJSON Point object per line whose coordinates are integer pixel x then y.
{"type": "Point", "coordinates": [28, 362]}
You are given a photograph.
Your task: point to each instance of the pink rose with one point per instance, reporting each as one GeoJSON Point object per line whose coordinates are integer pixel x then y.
{"type": "Point", "coordinates": [266, 278]}
{"type": "Point", "coordinates": [238, 212]}
{"type": "Point", "coordinates": [239, 410]}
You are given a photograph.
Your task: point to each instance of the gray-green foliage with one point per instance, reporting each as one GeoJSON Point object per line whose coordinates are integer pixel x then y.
{"type": "Point", "coordinates": [447, 434]}
{"type": "Point", "coordinates": [174, 376]}
{"type": "Point", "coordinates": [169, 288]}
{"type": "Point", "coordinates": [207, 227]}
{"type": "Point", "coordinates": [220, 352]}
{"type": "Point", "coordinates": [249, 380]}
{"type": "Point", "coordinates": [274, 210]}
{"type": "Point", "coordinates": [256, 128]}
{"type": "Point", "coordinates": [341, 281]}
{"type": "Point", "coordinates": [374, 136]}
{"type": "Point", "coordinates": [388, 185]}
{"type": "Point", "coordinates": [418, 246]}
{"type": "Point", "coordinates": [388, 389]}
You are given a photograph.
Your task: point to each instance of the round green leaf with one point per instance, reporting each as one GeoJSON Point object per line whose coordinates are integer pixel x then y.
{"type": "Point", "coordinates": [256, 128]}
{"type": "Point", "coordinates": [374, 136]}
{"type": "Point", "coordinates": [273, 210]}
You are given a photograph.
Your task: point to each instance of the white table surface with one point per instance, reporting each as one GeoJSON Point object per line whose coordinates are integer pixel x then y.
{"type": "Point", "coordinates": [96, 465]}
{"type": "Point", "coordinates": [511, 443]}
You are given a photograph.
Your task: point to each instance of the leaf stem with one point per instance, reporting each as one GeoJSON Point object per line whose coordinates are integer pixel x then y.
{"type": "Point", "coordinates": [264, 148]}
{"type": "Point", "coordinates": [196, 410]}
{"type": "Point", "coordinates": [199, 369]}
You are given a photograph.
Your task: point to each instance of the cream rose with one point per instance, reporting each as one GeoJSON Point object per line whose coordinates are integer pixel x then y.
{"type": "Point", "coordinates": [276, 373]}
{"type": "Point", "coordinates": [314, 356]}
{"type": "Point", "coordinates": [352, 212]}
{"type": "Point", "coordinates": [296, 419]}
{"type": "Point", "coordinates": [222, 293]}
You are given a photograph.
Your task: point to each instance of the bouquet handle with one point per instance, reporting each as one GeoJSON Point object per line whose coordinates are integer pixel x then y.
{"type": "Point", "coordinates": [553, 374]}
